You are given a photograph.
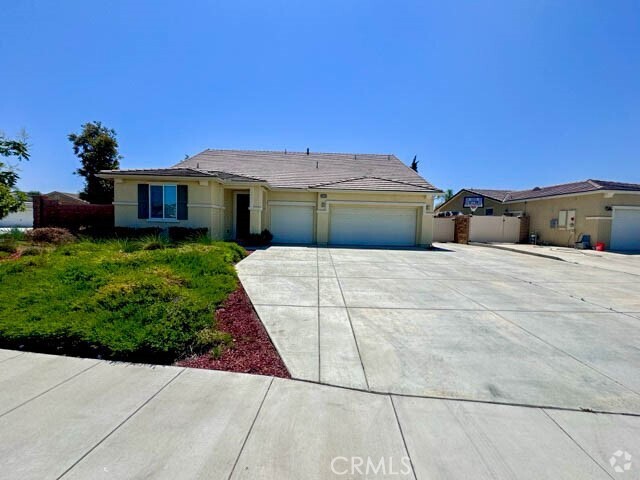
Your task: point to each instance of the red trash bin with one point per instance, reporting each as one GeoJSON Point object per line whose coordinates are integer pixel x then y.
{"type": "Point", "coordinates": [600, 246]}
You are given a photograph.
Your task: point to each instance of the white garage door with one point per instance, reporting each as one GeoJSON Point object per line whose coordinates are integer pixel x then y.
{"type": "Point", "coordinates": [292, 223]}
{"type": "Point", "coordinates": [625, 230]}
{"type": "Point", "coordinates": [372, 226]}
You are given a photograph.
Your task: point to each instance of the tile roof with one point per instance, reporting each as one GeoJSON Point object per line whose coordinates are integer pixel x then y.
{"type": "Point", "coordinates": [569, 188]}
{"type": "Point", "coordinates": [370, 183]}
{"type": "Point", "coordinates": [181, 172]}
{"type": "Point", "coordinates": [65, 197]}
{"type": "Point", "coordinates": [302, 170]}
{"type": "Point", "coordinates": [498, 195]}
{"type": "Point", "coordinates": [586, 186]}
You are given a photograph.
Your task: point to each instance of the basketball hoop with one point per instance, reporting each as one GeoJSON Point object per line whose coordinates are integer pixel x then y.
{"type": "Point", "coordinates": [473, 203]}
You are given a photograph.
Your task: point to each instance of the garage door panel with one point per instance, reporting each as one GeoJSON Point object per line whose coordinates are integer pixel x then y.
{"type": "Point", "coordinates": [373, 226]}
{"type": "Point", "coordinates": [625, 229]}
{"type": "Point", "coordinates": [292, 224]}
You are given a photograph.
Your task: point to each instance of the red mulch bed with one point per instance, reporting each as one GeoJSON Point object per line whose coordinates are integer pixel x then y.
{"type": "Point", "coordinates": [252, 352]}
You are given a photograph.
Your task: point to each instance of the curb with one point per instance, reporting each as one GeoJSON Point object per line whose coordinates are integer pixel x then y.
{"type": "Point", "coordinates": [500, 247]}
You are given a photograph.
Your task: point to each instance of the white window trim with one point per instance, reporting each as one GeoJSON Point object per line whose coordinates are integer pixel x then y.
{"type": "Point", "coordinates": [567, 220]}
{"type": "Point", "coordinates": [163, 218]}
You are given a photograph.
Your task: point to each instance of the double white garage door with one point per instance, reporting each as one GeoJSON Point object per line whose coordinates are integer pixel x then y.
{"type": "Point", "coordinates": [348, 225]}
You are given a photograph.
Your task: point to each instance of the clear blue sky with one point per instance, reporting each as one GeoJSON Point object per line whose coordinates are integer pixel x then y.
{"type": "Point", "coordinates": [507, 94]}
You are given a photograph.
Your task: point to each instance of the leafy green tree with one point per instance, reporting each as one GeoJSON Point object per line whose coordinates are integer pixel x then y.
{"type": "Point", "coordinates": [448, 195]}
{"type": "Point", "coordinates": [97, 148]}
{"type": "Point", "coordinates": [11, 200]}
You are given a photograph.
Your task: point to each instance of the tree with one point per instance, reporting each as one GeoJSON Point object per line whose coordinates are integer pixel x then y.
{"type": "Point", "coordinates": [414, 163]}
{"type": "Point", "coordinates": [448, 195]}
{"type": "Point", "coordinates": [97, 148]}
{"type": "Point", "coordinates": [11, 200]}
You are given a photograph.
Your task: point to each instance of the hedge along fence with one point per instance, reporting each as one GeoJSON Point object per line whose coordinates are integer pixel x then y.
{"type": "Point", "coordinates": [51, 213]}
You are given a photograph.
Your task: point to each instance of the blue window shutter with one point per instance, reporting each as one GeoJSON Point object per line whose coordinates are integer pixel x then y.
{"type": "Point", "coordinates": [183, 199]}
{"type": "Point", "coordinates": [143, 200]}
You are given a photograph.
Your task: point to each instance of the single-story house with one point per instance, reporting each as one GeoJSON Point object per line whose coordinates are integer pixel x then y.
{"type": "Point", "coordinates": [300, 197]}
{"type": "Point", "coordinates": [609, 212]}
{"type": "Point", "coordinates": [487, 202]}
{"type": "Point", "coordinates": [22, 219]}
{"type": "Point", "coordinates": [65, 198]}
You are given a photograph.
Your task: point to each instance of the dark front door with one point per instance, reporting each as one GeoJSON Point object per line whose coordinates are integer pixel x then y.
{"type": "Point", "coordinates": [242, 216]}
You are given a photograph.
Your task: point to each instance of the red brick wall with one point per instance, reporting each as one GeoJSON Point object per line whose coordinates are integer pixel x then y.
{"type": "Point", "coordinates": [51, 213]}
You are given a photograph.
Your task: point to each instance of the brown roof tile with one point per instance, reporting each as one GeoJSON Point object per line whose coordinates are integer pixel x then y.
{"type": "Point", "coordinates": [584, 186]}
{"type": "Point", "coordinates": [302, 170]}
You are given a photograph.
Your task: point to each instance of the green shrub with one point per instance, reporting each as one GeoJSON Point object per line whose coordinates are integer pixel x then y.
{"type": "Point", "coordinates": [14, 234]}
{"type": "Point", "coordinates": [51, 235]}
{"type": "Point", "coordinates": [260, 239]}
{"type": "Point", "coordinates": [179, 234]}
{"type": "Point", "coordinates": [91, 298]}
{"type": "Point", "coordinates": [215, 341]}
{"type": "Point", "coordinates": [210, 337]}
{"type": "Point", "coordinates": [31, 251]}
{"type": "Point", "coordinates": [136, 233]}
{"type": "Point", "coordinates": [8, 246]}
{"type": "Point", "coordinates": [127, 245]}
{"type": "Point", "coordinates": [155, 242]}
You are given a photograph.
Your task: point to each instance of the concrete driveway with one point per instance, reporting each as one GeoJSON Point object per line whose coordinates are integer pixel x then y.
{"type": "Point", "coordinates": [464, 322]}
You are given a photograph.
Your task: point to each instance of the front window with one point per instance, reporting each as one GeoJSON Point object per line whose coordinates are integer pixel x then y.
{"type": "Point", "coordinates": [163, 201]}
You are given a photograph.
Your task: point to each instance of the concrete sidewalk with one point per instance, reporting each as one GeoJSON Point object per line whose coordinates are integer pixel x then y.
{"type": "Point", "coordinates": [76, 418]}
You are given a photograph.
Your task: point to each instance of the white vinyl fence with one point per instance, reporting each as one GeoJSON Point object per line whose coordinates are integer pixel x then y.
{"type": "Point", "coordinates": [494, 229]}
{"type": "Point", "coordinates": [481, 229]}
{"type": "Point", "coordinates": [443, 229]}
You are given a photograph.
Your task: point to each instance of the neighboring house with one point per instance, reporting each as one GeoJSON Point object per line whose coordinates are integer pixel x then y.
{"type": "Point", "coordinates": [609, 212]}
{"type": "Point", "coordinates": [23, 219]}
{"type": "Point", "coordinates": [306, 198]}
{"type": "Point", "coordinates": [489, 201]}
{"type": "Point", "coordinates": [65, 198]}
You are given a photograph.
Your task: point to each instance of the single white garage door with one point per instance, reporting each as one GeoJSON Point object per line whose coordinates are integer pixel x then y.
{"type": "Point", "coordinates": [625, 230]}
{"type": "Point", "coordinates": [292, 223]}
{"type": "Point", "coordinates": [372, 226]}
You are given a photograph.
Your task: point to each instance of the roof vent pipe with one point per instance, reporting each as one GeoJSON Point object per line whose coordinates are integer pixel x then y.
{"type": "Point", "coordinates": [307, 150]}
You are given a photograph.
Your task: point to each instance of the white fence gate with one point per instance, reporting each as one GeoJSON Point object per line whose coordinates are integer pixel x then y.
{"type": "Point", "coordinates": [494, 229]}
{"type": "Point", "coordinates": [443, 229]}
{"type": "Point", "coordinates": [482, 228]}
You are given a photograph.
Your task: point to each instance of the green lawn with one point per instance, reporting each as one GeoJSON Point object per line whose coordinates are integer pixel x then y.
{"type": "Point", "coordinates": [120, 299]}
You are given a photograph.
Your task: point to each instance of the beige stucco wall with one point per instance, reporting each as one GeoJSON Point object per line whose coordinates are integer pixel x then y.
{"type": "Point", "coordinates": [202, 201]}
{"type": "Point", "coordinates": [211, 205]}
{"type": "Point", "coordinates": [541, 212]}
{"type": "Point", "coordinates": [456, 205]}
